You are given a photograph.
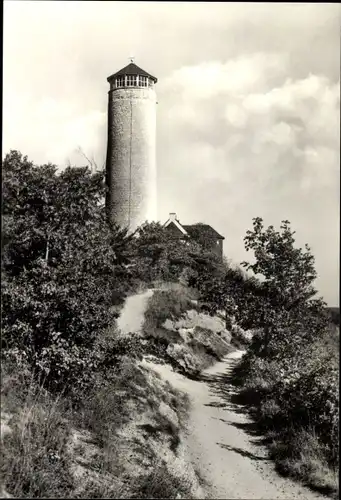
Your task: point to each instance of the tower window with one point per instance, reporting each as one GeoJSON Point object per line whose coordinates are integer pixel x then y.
{"type": "Point", "coordinates": [131, 81]}
{"type": "Point", "coordinates": [151, 83]}
{"type": "Point", "coordinates": [120, 81]}
{"type": "Point", "coordinates": [142, 81]}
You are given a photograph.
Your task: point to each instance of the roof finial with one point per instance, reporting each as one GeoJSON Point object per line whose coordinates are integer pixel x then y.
{"type": "Point", "coordinates": [131, 58]}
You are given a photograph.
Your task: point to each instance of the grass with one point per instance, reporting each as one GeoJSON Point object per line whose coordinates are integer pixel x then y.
{"type": "Point", "coordinates": [49, 439]}
{"type": "Point", "coordinates": [166, 304]}
{"type": "Point", "coordinates": [298, 454]}
{"type": "Point", "coordinates": [105, 408]}
{"type": "Point", "coordinates": [35, 460]}
{"type": "Point", "coordinates": [161, 483]}
{"type": "Point", "coordinates": [64, 448]}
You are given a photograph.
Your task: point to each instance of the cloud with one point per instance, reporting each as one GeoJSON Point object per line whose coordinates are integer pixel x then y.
{"type": "Point", "coordinates": [248, 113]}
{"type": "Point", "coordinates": [246, 149]}
{"type": "Point", "coordinates": [278, 130]}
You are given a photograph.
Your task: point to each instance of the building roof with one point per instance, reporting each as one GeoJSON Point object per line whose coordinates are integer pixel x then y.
{"type": "Point", "coordinates": [131, 69]}
{"type": "Point", "coordinates": [203, 230]}
{"type": "Point", "coordinates": [198, 229]}
{"type": "Point", "coordinates": [173, 220]}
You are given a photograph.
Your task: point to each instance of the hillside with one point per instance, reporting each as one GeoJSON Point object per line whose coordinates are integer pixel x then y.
{"type": "Point", "coordinates": [100, 382]}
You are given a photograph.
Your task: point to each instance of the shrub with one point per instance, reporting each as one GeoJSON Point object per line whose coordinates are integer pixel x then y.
{"type": "Point", "coordinates": [166, 304]}
{"type": "Point", "coordinates": [61, 263]}
{"type": "Point", "coordinates": [156, 255]}
{"type": "Point", "coordinates": [297, 400]}
{"type": "Point", "coordinates": [299, 453]}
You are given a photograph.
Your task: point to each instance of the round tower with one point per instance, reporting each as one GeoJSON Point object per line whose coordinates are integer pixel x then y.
{"type": "Point", "coordinates": [131, 151]}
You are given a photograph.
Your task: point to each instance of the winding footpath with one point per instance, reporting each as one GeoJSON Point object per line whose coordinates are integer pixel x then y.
{"type": "Point", "coordinates": [132, 315]}
{"type": "Point", "coordinates": [221, 439]}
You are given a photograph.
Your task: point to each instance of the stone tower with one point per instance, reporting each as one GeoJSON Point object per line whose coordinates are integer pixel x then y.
{"type": "Point", "coordinates": [131, 151]}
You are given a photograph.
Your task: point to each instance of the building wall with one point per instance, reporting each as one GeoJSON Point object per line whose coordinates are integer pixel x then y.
{"type": "Point", "coordinates": [131, 156]}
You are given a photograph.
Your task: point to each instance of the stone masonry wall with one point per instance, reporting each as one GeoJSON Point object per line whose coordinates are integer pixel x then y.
{"type": "Point", "coordinates": [131, 157]}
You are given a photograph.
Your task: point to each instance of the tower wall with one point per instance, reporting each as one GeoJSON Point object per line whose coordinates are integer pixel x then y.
{"type": "Point", "coordinates": [131, 156]}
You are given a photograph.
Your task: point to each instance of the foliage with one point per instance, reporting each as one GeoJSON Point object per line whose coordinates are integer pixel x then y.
{"type": "Point", "coordinates": [334, 314]}
{"type": "Point", "coordinates": [288, 272]}
{"type": "Point", "coordinates": [295, 397]}
{"type": "Point", "coordinates": [166, 304]}
{"type": "Point", "coordinates": [233, 291]}
{"type": "Point", "coordinates": [61, 264]}
{"type": "Point", "coordinates": [290, 371]}
{"type": "Point", "coordinates": [298, 453]}
{"type": "Point", "coordinates": [158, 256]}
{"type": "Point", "coordinates": [161, 483]}
{"type": "Point", "coordinates": [281, 304]}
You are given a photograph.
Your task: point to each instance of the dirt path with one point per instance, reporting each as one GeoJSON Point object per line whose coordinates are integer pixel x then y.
{"type": "Point", "coordinates": [132, 314]}
{"type": "Point", "coordinates": [222, 442]}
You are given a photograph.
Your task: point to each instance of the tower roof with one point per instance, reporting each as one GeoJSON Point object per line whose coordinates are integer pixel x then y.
{"type": "Point", "coordinates": [131, 69]}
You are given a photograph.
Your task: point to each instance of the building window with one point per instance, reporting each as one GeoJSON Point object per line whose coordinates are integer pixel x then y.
{"type": "Point", "coordinates": [142, 81]}
{"type": "Point", "coordinates": [131, 81]}
{"type": "Point", "coordinates": [151, 83]}
{"type": "Point", "coordinates": [120, 81]}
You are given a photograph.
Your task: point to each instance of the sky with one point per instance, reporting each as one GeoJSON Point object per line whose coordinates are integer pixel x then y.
{"type": "Point", "coordinates": [248, 115]}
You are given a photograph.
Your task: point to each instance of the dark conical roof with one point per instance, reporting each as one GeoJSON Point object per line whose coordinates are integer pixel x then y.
{"type": "Point", "coordinates": [131, 69]}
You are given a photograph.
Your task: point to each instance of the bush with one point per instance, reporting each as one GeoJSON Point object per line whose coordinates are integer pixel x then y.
{"type": "Point", "coordinates": [299, 454]}
{"type": "Point", "coordinates": [61, 264]}
{"type": "Point", "coordinates": [297, 403]}
{"type": "Point", "coordinates": [166, 304]}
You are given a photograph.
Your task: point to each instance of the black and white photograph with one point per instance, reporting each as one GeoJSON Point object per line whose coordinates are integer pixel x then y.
{"type": "Point", "coordinates": [170, 251]}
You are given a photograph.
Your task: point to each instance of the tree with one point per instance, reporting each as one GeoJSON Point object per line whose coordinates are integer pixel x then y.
{"type": "Point", "coordinates": [232, 291]}
{"type": "Point", "coordinates": [159, 256]}
{"type": "Point", "coordinates": [288, 272]}
{"type": "Point", "coordinates": [61, 262]}
{"type": "Point", "coordinates": [290, 315]}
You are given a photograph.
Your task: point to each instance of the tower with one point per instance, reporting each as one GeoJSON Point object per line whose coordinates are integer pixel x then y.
{"type": "Point", "coordinates": [131, 150]}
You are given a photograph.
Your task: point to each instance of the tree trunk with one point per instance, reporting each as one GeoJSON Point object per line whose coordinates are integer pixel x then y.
{"type": "Point", "coordinates": [47, 251]}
